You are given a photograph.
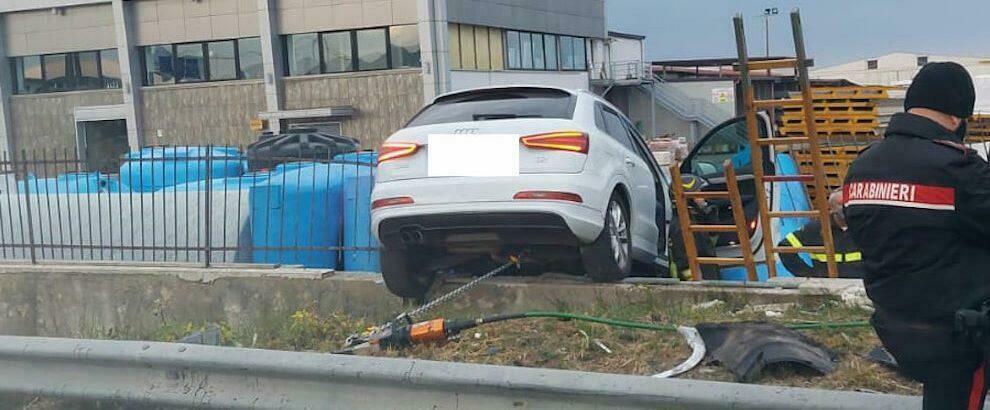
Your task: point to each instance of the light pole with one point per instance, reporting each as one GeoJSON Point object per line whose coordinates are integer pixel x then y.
{"type": "Point", "coordinates": [767, 13]}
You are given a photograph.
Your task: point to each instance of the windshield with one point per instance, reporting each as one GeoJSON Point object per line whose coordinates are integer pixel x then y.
{"type": "Point", "coordinates": [497, 104]}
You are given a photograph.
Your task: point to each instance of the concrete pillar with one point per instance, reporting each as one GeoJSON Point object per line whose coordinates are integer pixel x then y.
{"type": "Point", "coordinates": [434, 48]}
{"type": "Point", "coordinates": [6, 90]}
{"type": "Point", "coordinates": [130, 69]}
{"type": "Point", "coordinates": [271, 52]}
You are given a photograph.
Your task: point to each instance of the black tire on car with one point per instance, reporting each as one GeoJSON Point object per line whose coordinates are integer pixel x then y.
{"type": "Point", "coordinates": [609, 258]}
{"type": "Point", "coordinates": [402, 274]}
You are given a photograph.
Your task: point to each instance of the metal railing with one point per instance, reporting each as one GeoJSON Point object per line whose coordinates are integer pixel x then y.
{"type": "Point", "coordinates": [685, 106]}
{"type": "Point", "coordinates": [150, 374]}
{"type": "Point", "coordinates": [636, 70]}
{"type": "Point", "coordinates": [199, 205]}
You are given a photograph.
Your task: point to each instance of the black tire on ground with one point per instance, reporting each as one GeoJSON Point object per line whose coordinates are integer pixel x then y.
{"type": "Point", "coordinates": [402, 275]}
{"type": "Point", "coordinates": [679, 255]}
{"type": "Point", "coordinates": [609, 258]}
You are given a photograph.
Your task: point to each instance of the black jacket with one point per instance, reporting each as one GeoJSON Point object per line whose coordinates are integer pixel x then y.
{"type": "Point", "coordinates": [918, 206]}
{"type": "Point", "coordinates": [849, 259]}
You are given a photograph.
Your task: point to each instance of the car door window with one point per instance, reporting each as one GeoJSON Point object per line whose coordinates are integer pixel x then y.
{"type": "Point", "coordinates": [639, 147]}
{"type": "Point", "coordinates": [615, 129]}
{"type": "Point", "coordinates": [728, 142]}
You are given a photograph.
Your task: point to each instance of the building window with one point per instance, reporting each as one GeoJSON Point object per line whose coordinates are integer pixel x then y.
{"type": "Point", "coordinates": [342, 51]}
{"type": "Point", "coordinates": [512, 50]}
{"type": "Point", "coordinates": [404, 44]}
{"type": "Point", "coordinates": [190, 66]}
{"type": "Point", "coordinates": [110, 68]}
{"type": "Point", "coordinates": [158, 65]}
{"type": "Point", "coordinates": [85, 70]}
{"type": "Point", "coordinates": [337, 52]}
{"type": "Point", "coordinates": [479, 48]}
{"type": "Point", "coordinates": [537, 51]}
{"type": "Point", "coordinates": [222, 60]}
{"type": "Point", "coordinates": [871, 64]}
{"type": "Point", "coordinates": [372, 49]}
{"type": "Point", "coordinates": [303, 53]}
{"type": "Point", "coordinates": [922, 60]}
{"type": "Point", "coordinates": [550, 50]}
{"type": "Point", "coordinates": [249, 61]}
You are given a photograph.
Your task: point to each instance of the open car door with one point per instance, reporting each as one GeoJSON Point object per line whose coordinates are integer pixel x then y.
{"type": "Point", "coordinates": [728, 141]}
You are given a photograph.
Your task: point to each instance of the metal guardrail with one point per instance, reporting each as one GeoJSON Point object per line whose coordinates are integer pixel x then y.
{"type": "Point", "coordinates": [148, 374]}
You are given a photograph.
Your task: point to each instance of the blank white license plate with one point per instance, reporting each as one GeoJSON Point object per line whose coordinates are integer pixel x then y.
{"type": "Point", "coordinates": [467, 155]}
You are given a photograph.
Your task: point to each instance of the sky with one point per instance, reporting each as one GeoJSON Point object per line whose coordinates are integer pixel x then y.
{"type": "Point", "coordinates": [835, 31]}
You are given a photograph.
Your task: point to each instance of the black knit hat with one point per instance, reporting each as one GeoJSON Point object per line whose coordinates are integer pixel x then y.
{"type": "Point", "coordinates": [943, 87]}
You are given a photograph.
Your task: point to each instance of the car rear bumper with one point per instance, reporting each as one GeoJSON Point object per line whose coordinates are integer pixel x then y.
{"type": "Point", "coordinates": [504, 223]}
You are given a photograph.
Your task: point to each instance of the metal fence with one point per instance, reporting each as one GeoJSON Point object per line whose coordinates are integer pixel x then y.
{"type": "Point", "coordinates": [201, 205]}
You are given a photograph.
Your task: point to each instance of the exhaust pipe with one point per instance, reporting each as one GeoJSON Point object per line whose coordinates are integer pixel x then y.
{"type": "Point", "coordinates": [411, 237]}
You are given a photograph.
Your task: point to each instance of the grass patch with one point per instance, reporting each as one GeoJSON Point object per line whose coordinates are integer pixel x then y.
{"type": "Point", "coordinates": [575, 345]}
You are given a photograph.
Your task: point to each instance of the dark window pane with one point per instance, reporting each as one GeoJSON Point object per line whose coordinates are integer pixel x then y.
{"type": "Point", "coordinates": [539, 62]}
{"type": "Point", "coordinates": [222, 63]}
{"type": "Point", "coordinates": [190, 64]}
{"type": "Point", "coordinates": [27, 70]}
{"type": "Point", "coordinates": [526, 48]}
{"type": "Point", "coordinates": [56, 72]}
{"type": "Point", "coordinates": [512, 49]}
{"type": "Point", "coordinates": [497, 104]}
{"type": "Point", "coordinates": [249, 52]}
{"type": "Point", "coordinates": [110, 66]}
{"type": "Point", "coordinates": [337, 53]}
{"type": "Point", "coordinates": [405, 46]}
{"type": "Point", "coordinates": [158, 65]}
{"type": "Point", "coordinates": [550, 45]}
{"type": "Point", "coordinates": [88, 77]}
{"type": "Point", "coordinates": [372, 49]}
{"type": "Point", "coordinates": [566, 53]}
{"type": "Point", "coordinates": [580, 57]}
{"type": "Point", "coordinates": [304, 54]}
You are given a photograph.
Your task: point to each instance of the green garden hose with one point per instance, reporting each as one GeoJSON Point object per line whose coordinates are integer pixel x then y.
{"type": "Point", "coordinates": [668, 328]}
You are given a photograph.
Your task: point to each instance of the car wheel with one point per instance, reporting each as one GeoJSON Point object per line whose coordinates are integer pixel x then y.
{"type": "Point", "coordinates": [609, 258]}
{"type": "Point", "coordinates": [402, 274]}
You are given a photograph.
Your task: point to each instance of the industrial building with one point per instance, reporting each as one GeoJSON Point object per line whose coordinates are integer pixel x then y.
{"type": "Point", "coordinates": [101, 77]}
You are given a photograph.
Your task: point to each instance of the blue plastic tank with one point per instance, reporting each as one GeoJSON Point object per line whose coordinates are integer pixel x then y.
{"type": "Point", "coordinates": [359, 180]}
{"type": "Point", "coordinates": [154, 168]}
{"type": "Point", "coordinates": [245, 181]}
{"type": "Point", "coordinates": [296, 217]}
{"type": "Point", "coordinates": [71, 183]}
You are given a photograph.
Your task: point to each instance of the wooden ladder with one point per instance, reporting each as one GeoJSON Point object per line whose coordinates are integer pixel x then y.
{"type": "Point", "coordinates": [688, 228]}
{"type": "Point", "coordinates": [810, 139]}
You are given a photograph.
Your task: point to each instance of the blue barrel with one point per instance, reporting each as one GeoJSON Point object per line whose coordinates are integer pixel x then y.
{"type": "Point", "coordinates": [296, 217]}
{"type": "Point", "coordinates": [245, 181]}
{"type": "Point", "coordinates": [154, 168]}
{"type": "Point", "coordinates": [359, 180]}
{"type": "Point", "coordinates": [71, 183]}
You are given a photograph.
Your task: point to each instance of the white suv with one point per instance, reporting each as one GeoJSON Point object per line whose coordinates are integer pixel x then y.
{"type": "Point", "coordinates": [491, 171]}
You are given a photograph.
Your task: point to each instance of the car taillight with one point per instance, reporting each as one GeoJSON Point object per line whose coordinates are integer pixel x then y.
{"type": "Point", "coordinates": [400, 200]}
{"type": "Point", "coordinates": [573, 141]}
{"type": "Point", "coordinates": [395, 150]}
{"type": "Point", "coordinates": [549, 196]}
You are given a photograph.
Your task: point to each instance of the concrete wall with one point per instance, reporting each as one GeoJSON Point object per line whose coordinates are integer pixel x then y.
{"type": "Point", "coordinates": [46, 121]}
{"type": "Point", "coordinates": [635, 103]}
{"type": "Point", "coordinates": [585, 18]}
{"type": "Point", "coordinates": [384, 100]}
{"type": "Point", "coordinates": [702, 90]}
{"type": "Point", "coordinates": [202, 113]}
{"type": "Point", "coordinates": [79, 28]}
{"type": "Point", "coordinates": [302, 16]}
{"type": "Point", "coordinates": [176, 21]}
{"type": "Point", "coordinates": [461, 80]}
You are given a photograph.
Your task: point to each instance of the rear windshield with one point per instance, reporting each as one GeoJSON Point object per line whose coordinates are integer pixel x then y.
{"type": "Point", "coordinates": [497, 104]}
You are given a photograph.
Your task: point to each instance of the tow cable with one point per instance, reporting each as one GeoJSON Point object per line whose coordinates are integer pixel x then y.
{"type": "Point", "coordinates": [403, 331]}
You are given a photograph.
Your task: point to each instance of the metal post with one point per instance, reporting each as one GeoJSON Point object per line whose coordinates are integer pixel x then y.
{"type": "Point", "coordinates": [208, 209]}
{"type": "Point", "coordinates": [27, 201]}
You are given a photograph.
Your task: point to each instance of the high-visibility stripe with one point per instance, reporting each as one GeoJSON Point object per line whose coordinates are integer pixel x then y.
{"type": "Point", "coordinates": [839, 257]}
{"type": "Point", "coordinates": [793, 240]}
